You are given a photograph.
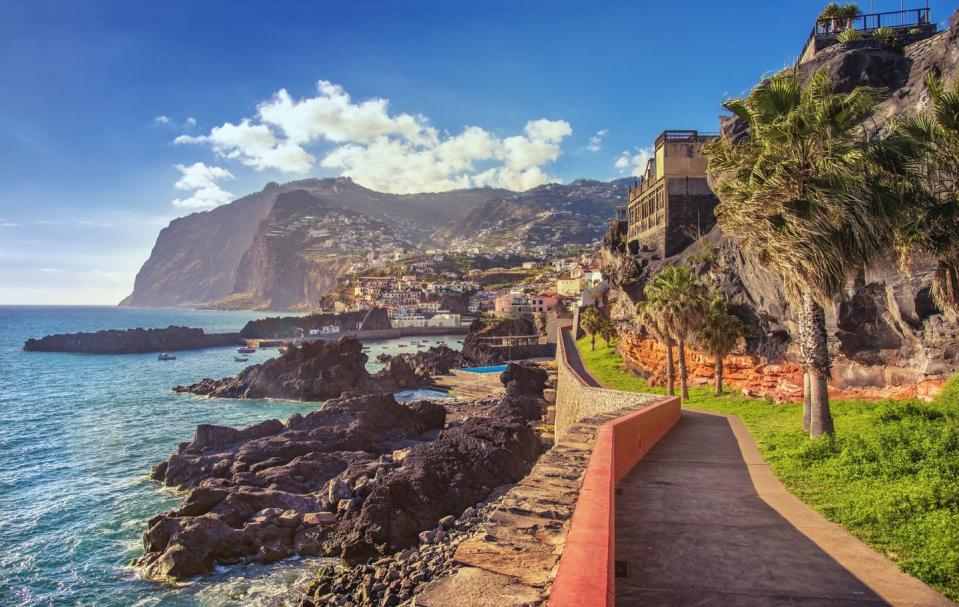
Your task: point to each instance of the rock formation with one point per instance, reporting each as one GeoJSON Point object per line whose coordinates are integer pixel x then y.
{"type": "Point", "coordinates": [886, 334]}
{"type": "Point", "coordinates": [480, 353]}
{"type": "Point", "coordinates": [131, 341]}
{"type": "Point", "coordinates": [285, 326]}
{"type": "Point", "coordinates": [317, 370]}
{"type": "Point", "coordinates": [363, 476]}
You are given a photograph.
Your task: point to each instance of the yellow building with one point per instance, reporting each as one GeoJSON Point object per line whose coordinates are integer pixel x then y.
{"type": "Point", "coordinates": [569, 286]}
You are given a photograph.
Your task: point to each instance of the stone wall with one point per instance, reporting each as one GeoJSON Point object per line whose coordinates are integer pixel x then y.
{"type": "Point", "coordinates": [690, 210]}
{"type": "Point", "coordinates": [577, 400]}
{"type": "Point", "coordinates": [755, 376]}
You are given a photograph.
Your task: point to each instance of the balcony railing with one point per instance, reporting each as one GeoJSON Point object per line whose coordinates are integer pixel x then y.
{"type": "Point", "coordinates": [910, 18]}
{"type": "Point", "coordinates": [684, 137]}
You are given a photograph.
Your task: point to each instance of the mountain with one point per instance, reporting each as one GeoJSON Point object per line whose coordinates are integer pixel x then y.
{"type": "Point", "coordinates": [300, 250]}
{"type": "Point", "coordinates": [548, 215]}
{"type": "Point", "coordinates": [286, 246]}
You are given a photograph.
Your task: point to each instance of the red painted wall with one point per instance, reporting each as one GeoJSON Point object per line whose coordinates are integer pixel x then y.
{"type": "Point", "coordinates": [586, 575]}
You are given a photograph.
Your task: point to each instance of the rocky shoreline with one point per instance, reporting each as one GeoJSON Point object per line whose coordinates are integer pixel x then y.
{"type": "Point", "coordinates": [361, 478]}
{"type": "Point", "coordinates": [132, 341]}
{"type": "Point", "coordinates": [321, 370]}
{"type": "Point", "coordinates": [393, 580]}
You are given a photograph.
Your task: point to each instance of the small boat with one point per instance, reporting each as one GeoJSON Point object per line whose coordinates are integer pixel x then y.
{"type": "Point", "coordinates": [166, 356]}
{"type": "Point", "coordinates": [241, 359]}
{"type": "Point", "coordinates": [246, 350]}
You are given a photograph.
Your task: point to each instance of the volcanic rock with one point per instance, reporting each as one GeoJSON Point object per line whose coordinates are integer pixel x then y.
{"type": "Point", "coordinates": [132, 341]}
{"type": "Point", "coordinates": [318, 370]}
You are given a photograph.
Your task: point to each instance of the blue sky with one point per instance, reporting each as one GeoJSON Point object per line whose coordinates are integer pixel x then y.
{"type": "Point", "coordinates": [111, 111]}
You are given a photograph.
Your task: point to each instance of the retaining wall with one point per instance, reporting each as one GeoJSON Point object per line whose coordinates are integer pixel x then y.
{"type": "Point", "coordinates": [586, 574]}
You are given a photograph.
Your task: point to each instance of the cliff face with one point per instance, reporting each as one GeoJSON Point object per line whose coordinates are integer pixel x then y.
{"type": "Point", "coordinates": [296, 257]}
{"type": "Point", "coordinates": [195, 258]}
{"type": "Point", "coordinates": [886, 334]}
{"type": "Point", "coordinates": [285, 247]}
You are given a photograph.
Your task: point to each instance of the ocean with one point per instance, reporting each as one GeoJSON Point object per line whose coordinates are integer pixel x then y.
{"type": "Point", "coordinates": [80, 432]}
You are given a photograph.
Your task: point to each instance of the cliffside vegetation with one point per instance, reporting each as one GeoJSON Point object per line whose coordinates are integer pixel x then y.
{"type": "Point", "coordinates": [888, 474]}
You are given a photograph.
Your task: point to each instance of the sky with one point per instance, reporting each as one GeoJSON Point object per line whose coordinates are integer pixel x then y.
{"type": "Point", "coordinates": [119, 116]}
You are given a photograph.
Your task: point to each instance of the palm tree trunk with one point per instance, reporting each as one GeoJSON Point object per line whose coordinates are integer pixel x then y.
{"type": "Point", "coordinates": [670, 370]}
{"type": "Point", "coordinates": [592, 340]}
{"type": "Point", "coordinates": [683, 378]}
{"type": "Point", "coordinates": [813, 317]}
{"type": "Point", "coordinates": [719, 375]}
{"type": "Point", "coordinates": [806, 400]}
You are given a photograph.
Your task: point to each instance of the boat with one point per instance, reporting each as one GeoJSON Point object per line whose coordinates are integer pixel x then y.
{"type": "Point", "coordinates": [246, 350]}
{"type": "Point", "coordinates": [166, 356]}
{"type": "Point", "coordinates": [282, 349]}
{"type": "Point", "coordinates": [241, 359]}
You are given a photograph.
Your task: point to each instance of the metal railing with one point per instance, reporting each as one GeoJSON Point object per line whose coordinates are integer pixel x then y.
{"type": "Point", "coordinates": [870, 22]}
{"type": "Point", "coordinates": [677, 136]}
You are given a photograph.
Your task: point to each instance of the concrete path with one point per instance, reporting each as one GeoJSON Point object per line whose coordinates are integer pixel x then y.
{"type": "Point", "coordinates": [702, 520]}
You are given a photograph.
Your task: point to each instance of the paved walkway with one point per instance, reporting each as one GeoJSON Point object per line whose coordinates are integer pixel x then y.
{"type": "Point", "coordinates": [702, 520]}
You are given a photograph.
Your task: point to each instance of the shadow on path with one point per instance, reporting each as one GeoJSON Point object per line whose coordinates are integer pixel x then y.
{"type": "Point", "coordinates": [695, 531]}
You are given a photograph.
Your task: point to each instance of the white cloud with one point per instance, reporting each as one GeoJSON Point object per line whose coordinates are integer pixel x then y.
{"type": "Point", "coordinates": [162, 120]}
{"type": "Point", "coordinates": [399, 153]}
{"type": "Point", "coordinates": [203, 180]}
{"type": "Point", "coordinates": [633, 163]}
{"type": "Point", "coordinates": [190, 122]}
{"type": "Point", "coordinates": [596, 141]}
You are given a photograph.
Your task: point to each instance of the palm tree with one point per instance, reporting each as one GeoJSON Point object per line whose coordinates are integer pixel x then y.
{"type": "Point", "coordinates": [719, 334]}
{"type": "Point", "coordinates": [679, 294]}
{"type": "Point", "coordinates": [653, 317]}
{"type": "Point", "coordinates": [809, 196]}
{"type": "Point", "coordinates": [590, 320]}
{"type": "Point", "coordinates": [933, 229]}
{"type": "Point", "coordinates": [607, 330]}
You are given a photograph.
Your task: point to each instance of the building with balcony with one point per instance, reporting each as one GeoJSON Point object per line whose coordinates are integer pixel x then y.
{"type": "Point", "coordinates": [672, 204]}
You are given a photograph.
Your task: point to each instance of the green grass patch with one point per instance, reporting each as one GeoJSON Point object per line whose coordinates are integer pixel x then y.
{"type": "Point", "coordinates": [890, 475]}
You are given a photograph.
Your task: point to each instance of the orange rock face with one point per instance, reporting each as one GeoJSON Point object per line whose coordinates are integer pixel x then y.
{"type": "Point", "coordinates": [754, 375]}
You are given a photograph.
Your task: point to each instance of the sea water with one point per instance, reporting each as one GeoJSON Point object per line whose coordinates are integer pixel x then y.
{"type": "Point", "coordinates": [78, 436]}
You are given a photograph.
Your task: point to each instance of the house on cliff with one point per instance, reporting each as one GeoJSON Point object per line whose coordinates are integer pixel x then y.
{"type": "Point", "coordinates": [672, 203]}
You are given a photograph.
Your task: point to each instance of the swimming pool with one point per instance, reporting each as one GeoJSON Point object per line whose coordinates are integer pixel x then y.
{"type": "Point", "coordinates": [494, 369]}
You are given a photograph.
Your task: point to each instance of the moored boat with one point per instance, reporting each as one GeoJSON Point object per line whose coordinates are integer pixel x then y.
{"type": "Point", "coordinates": [166, 356]}
{"type": "Point", "coordinates": [246, 350]}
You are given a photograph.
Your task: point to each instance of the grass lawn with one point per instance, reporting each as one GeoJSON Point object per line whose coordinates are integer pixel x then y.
{"type": "Point", "coordinates": [890, 475]}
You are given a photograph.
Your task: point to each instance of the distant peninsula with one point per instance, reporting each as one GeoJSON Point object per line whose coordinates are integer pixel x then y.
{"type": "Point", "coordinates": [132, 341]}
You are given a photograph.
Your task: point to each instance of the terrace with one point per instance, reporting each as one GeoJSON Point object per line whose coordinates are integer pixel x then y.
{"type": "Point", "coordinates": [906, 26]}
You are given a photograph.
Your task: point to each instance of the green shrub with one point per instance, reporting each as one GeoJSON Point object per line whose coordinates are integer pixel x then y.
{"type": "Point", "coordinates": [849, 35]}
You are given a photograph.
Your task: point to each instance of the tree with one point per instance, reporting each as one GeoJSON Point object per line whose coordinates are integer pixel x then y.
{"type": "Point", "coordinates": [719, 334]}
{"type": "Point", "coordinates": [932, 139]}
{"type": "Point", "coordinates": [653, 317]}
{"type": "Point", "coordinates": [607, 330]}
{"type": "Point", "coordinates": [808, 195]}
{"type": "Point", "coordinates": [590, 320]}
{"type": "Point", "coordinates": [677, 297]}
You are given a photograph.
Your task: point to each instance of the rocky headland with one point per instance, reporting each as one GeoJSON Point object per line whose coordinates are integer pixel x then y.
{"type": "Point", "coordinates": [132, 341]}
{"type": "Point", "coordinates": [286, 326]}
{"type": "Point", "coordinates": [480, 353]}
{"type": "Point", "coordinates": [362, 477]}
{"type": "Point", "coordinates": [317, 370]}
{"type": "Point", "coordinates": [888, 338]}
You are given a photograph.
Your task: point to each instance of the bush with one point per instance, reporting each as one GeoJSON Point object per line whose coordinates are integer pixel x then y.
{"type": "Point", "coordinates": [850, 35]}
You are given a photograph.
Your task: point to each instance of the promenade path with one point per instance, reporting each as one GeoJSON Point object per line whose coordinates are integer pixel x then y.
{"type": "Point", "coordinates": [702, 520]}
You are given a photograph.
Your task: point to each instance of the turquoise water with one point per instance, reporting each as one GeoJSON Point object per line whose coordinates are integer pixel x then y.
{"type": "Point", "coordinates": [79, 433]}
{"type": "Point", "coordinates": [494, 369]}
